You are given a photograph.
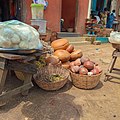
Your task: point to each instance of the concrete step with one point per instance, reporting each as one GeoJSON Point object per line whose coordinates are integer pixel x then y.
{"type": "Point", "coordinates": [67, 34]}
{"type": "Point", "coordinates": [76, 39]}
{"type": "Point", "coordinates": [80, 43]}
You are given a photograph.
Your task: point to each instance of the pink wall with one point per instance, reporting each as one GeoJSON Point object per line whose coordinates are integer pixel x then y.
{"type": "Point", "coordinates": [82, 15]}
{"type": "Point", "coordinates": [27, 12]}
{"type": "Point", "coordinates": [53, 14]}
{"type": "Point", "coordinates": [68, 13]}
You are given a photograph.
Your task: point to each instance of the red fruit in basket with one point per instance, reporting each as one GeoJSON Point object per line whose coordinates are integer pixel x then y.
{"type": "Point", "coordinates": [83, 71]}
{"type": "Point", "coordinates": [84, 59]}
{"type": "Point", "coordinates": [99, 68]}
{"type": "Point", "coordinates": [95, 71]}
{"type": "Point", "coordinates": [89, 65]}
{"type": "Point", "coordinates": [77, 62]}
{"type": "Point", "coordinates": [72, 64]}
{"type": "Point", "coordinates": [75, 69]}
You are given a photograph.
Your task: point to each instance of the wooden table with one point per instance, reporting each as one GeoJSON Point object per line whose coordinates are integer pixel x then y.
{"type": "Point", "coordinates": [13, 62]}
{"type": "Point", "coordinates": [110, 73]}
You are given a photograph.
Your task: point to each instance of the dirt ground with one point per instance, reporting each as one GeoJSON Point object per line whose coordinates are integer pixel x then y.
{"type": "Point", "coordinates": [69, 103]}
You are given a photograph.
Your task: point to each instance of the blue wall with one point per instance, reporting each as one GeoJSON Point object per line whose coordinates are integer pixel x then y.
{"type": "Point", "coordinates": [94, 4]}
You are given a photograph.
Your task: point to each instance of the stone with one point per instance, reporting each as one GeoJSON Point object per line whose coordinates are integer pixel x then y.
{"type": "Point", "coordinates": [97, 42]}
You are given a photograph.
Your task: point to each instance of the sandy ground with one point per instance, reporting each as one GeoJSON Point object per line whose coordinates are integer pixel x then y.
{"type": "Point", "coordinates": [69, 103]}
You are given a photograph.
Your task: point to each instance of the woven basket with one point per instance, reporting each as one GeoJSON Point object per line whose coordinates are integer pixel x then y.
{"type": "Point", "coordinates": [85, 81]}
{"type": "Point", "coordinates": [44, 73]}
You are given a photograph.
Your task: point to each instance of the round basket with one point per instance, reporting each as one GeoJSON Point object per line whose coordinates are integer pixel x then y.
{"type": "Point", "coordinates": [44, 73]}
{"type": "Point", "coordinates": [85, 81]}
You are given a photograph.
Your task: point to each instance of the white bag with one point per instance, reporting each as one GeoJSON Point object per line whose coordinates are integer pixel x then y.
{"type": "Point", "coordinates": [115, 37]}
{"type": "Point", "coordinates": [15, 34]}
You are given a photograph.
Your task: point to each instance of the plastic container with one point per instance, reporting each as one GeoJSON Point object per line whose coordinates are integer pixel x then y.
{"type": "Point", "coordinates": [102, 39]}
{"type": "Point", "coordinates": [41, 24]}
{"type": "Point", "coordinates": [37, 11]}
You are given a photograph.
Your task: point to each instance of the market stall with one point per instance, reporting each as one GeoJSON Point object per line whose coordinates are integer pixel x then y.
{"type": "Point", "coordinates": [22, 51]}
{"type": "Point", "coordinates": [112, 70]}
{"type": "Point", "coordinates": [19, 48]}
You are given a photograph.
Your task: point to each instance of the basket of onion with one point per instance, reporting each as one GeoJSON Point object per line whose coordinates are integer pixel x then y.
{"type": "Point", "coordinates": [51, 77]}
{"type": "Point", "coordinates": [85, 74]}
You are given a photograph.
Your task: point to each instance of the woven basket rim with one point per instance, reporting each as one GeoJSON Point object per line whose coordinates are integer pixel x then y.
{"type": "Point", "coordinates": [65, 77]}
{"type": "Point", "coordinates": [52, 82]}
{"type": "Point", "coordinates": [87, 75]}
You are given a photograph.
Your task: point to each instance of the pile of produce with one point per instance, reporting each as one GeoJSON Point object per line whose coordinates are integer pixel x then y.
{"type": "Point", "coordinates": [63, 54]}
{"type": "Point", "coordinates": [69, 58]}
{"type": "Point", "coordinates": [55, 78]}
{"type": "Point", "coordinates": [84, 66]}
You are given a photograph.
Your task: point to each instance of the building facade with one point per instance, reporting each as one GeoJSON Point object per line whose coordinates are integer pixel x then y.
{"type": "Point", "coordinates": [74, 13]}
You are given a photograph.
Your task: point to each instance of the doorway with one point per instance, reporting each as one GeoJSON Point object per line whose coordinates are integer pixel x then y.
{"type": "Point", "coordinates": [9, 9]}
{"type": "Point", "coordinates": [100, 5]}
{"type": "Point", "coordinates": [109, 4]}
{"type": "Point", "coordinates": [97, 5]}
{"type": "Point", "coordinates": [68, 15]}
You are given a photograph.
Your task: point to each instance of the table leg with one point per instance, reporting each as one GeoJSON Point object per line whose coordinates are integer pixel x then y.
{"type": "Point", "coordinates": [112, 64]}
{"type": "Point", "coordinates": [110, 68]}
{"type": "Point", "coordinates": [28, 79]}
{"type": "Point", "coordinates": [3, 74]}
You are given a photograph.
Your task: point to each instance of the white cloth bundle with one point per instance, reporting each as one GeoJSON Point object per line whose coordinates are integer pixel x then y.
{"type": "Point", "coordinates": [18, 35]}
{"type": "Point", "coordinates": [115, 37]}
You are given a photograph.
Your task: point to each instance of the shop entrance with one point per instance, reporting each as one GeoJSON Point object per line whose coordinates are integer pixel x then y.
{"type": "Point", "coordinates": [98, 5]}
{"type": "Point", "coordinates": [10, 9]}
{"type": "Point", "coordinates": [68, 15]}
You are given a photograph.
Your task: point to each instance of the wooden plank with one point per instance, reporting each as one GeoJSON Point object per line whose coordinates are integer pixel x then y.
{"type": "Point", "coordinates": [2, 63]}
{"type": "Point", "coordinates": [117, 69]}
{"type": "Point", "coordinates": [112, 64]}
{"type": "Point", "coordinates": [11, 56]}
{"type": "Point", "coordinates": [22, 67]}
{"type": "Point", "coordinates": [9, 94]}
{"type": "Point", "coordinates": [113, 75]}
{"type": "Point", "coordinates": [3, 74]}
{"type": "Point", "coordinates": [28, 78]}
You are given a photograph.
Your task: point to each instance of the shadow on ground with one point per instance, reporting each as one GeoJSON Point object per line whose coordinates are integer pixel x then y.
{"type": "Point", "coordinates": [44, 105]}
{"type": "Point", "coordinates": [57, 107]}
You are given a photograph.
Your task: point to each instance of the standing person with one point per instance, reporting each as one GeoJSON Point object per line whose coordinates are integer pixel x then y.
{"type": "Point", "coordinates": [110, 19]}
{"type": "Point", "coordinates": [103, 16]}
